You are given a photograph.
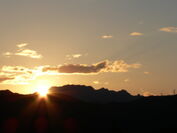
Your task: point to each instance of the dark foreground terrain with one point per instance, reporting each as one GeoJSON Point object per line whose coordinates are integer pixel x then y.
{"type": "Point", "coordinates": [62, 113]}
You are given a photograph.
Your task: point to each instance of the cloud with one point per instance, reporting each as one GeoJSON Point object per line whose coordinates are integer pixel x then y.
{"type": "Point", "coordinates": [7, 54]}
{"type": "Point", "coordinates": [15, 69]}
{"type": "Point", "coordinates": [106, 36]}
{"type": "Point", "coordinates": [17, 74]}
{"type": "Point", "coordinates": [3, 79]}
{"type": "Point", "coordinates": [23, 75]}
{"type": "Point", "coordinates": [22, 51]}
{"type": "Point", "coordinates": [22, 45]}
{"type": "Point", "coordinates": [96, 82]}
{"type": "Point", "coordinates": [169, 29]}
{"type": "Point", "coordinates": [120, 66]}
{"type": "Point", "coordinates": [70, 57]}
{"type": "Point", "coordinates": [136, 34]}
{"type": "Point", "coordinates": [29, 53]}
{"type": "Point", "coordinates": [77, 68]}
{"type": "Point", "coordinates": [104, 66]}
{"type": "Point", "coordinates": [146, 73]}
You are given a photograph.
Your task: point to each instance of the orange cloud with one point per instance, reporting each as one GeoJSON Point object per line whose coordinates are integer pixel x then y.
{"type": "Point", "coordinates": [169, 29]}
{"type": "Point", "coordinates": [136, 34]}
{"type": "Point", "coordinates": [107, 36]}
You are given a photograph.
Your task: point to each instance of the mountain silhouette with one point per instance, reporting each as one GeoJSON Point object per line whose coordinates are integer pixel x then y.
{"type": "Point", "coordinates": [68, 109]}
{"type": "Point", "coordinates": [89, 94]}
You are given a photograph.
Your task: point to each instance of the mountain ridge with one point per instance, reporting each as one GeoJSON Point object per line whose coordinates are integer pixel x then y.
{"type": "Point", "coordinates": [89, 94]}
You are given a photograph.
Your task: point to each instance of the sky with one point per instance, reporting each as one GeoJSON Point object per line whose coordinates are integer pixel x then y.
{"type": "Point", "coordinates": [116, 44]}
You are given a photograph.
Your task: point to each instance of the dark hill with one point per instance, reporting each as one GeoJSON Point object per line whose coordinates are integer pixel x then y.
{"type": "Point", "coordinates": [62, 113]}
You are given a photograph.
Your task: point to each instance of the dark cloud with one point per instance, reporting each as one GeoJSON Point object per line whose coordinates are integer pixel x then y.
{"type": "Point", "coordinates": [78, 68]}
{"type": "Point", "coordinates": [104, 66]}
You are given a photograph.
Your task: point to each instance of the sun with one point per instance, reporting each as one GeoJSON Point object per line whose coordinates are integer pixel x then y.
{"type": "Point", "coordinates": [43, 88]}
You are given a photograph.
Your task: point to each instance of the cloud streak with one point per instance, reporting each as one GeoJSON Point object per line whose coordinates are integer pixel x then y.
{"type": "Point", "coordinates": [169, 29]}
{"type": "Point", "coordinates": [3, 79]}
{"type": "Point", "coordinates": [136, 34]}
{"type": "Point", "coordinates": [73, 56]}
{"type": "Point", "coordinates": [22, 45]}
{"type": "Point", "coordinates": [106, 36]}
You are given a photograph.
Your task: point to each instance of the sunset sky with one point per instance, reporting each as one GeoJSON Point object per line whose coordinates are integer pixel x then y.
{"type": "Point", "coordinates": [116, 44]}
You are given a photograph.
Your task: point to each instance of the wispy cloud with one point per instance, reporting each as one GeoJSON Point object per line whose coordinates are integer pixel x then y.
{"type": "Point", "coordinates": [169, 29]}
{"type": "Point", "coordinates": [106, 36]}
{"type": "Point", "coordinates": [7, 54]}
{"type": "Point", "coordinates": [3, 79]}
{"type": "Point", "coordinates": [73, 56]}
{"type": "Point", "coordinates": [22, 51]}
{"type": "Point", "coordinates": [29, 53]}
{"type": "Point", "coordinates": [22, 45]}
{"type": "Point", "coordinates": [17, 74]}
{"type": "Point", "coordinates": [136, 34]}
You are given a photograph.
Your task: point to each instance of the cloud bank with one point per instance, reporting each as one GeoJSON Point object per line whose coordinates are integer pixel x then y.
{"type": "Point", "coordinates": [23, 75]}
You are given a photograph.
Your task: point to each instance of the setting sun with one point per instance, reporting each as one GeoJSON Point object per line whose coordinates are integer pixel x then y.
{"type": "Point", "coordinates": [43, 88]}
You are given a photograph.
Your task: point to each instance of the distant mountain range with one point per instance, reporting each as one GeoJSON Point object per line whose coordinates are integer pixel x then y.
{"type": "Point", "coordinates": [83, 109]}
{"type": "Point", "coordinates": [89, 94]}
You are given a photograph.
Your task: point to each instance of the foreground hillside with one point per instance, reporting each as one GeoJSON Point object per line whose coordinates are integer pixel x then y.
{"type": "Point", "coordinates": [62, 113]}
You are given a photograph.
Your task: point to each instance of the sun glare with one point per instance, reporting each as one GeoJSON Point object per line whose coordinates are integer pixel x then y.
{"type": "Point", "coordinates": [43, 89]}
